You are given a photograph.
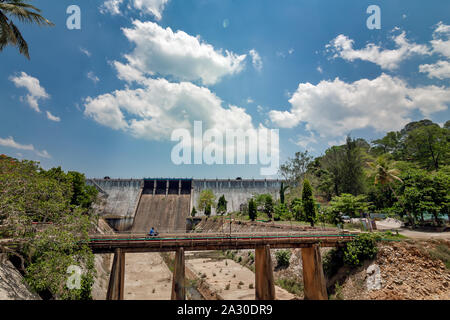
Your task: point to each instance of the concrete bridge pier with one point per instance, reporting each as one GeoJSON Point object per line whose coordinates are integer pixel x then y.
{"type": "Point", "coordinates": [264, 282]}
{"type": "Point", "coordinates": [116, 285]}
{"type": "Point", "coordinates": [313, 277]}
{"type": "Point", "coordinates": [178, 282]}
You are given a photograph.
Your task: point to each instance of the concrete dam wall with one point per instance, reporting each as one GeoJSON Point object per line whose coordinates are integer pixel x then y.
{"type": "Point", "coordinates": [236, 192]}
{"type": "Point", "coordinates": [138, 205]}
{"type": "Point", "coordinates": [122, 197]}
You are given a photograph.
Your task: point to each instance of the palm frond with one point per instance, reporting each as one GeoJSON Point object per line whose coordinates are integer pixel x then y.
{"type": "Point", "coordinates": [21, 43]}
{"type": "Point", "coordinates": [23, 12]}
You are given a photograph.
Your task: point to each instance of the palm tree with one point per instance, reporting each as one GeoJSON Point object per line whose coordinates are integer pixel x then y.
{"type": "Point", "coordinates": [386, 176]}
{"type": "Point", "coordinates": [24, 12]}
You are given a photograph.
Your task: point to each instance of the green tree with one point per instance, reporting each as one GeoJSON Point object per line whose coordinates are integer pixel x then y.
{"type": "Point", "coordinates": [352, 168]}
{"type": "Point", "coordinates": [349, 205]}
{"type": "Point", "coordinates": [222, 205]}
{"type": "Point", "coordinates": [283, 189]}
{"type": "Point", "coordinates": [208, 210]}
{"type": "Point", "coordinates": [429, 146]}
{"type": "Point", "coordinates": [29, 195]}
{"type": "Point", "coordinates": [83, 195]}
{"type": "Point", "coordinates": [343, 166]}
{"type": "Point", "coordinates": [297, 209]}
{"type": "Point", "coordinates": [24, 12]}
{"type": "Point", "coordinates": [308, 203]}
{"type": "Point", "coordinates": [294, 170]}
{"type": "Point", "coordinates": [206, 198]}
{"type": "Point", "coordinates": [424, 192]}
{"type": "Point", "coordinates": [389, 144]}
{"type": "Point", "coordinates": [281, 212]}
{"type": "Point", "coordinates": [252, 210]}
{"type": "Point", "coordinates": [383, 174]}
{"type": "Point", "coordinates": [268, 206]}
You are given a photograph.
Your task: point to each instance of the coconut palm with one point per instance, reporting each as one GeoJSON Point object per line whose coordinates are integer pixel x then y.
{"type": "Point", "coordinates": [23, 12]}
{"type": "Point", "coordinates": [386, 176]}
{"type": "Point", "coordinates": [383, 174]}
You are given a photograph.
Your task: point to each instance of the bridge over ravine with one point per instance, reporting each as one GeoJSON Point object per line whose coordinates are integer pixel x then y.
{"type": "Point", "coordinates": [310, 242]}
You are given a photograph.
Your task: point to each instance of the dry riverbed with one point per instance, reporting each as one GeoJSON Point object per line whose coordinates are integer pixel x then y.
{"type": "Point", "coordinates": [147, 277]}
{"type": "Point", "coordinates": [229, 279]}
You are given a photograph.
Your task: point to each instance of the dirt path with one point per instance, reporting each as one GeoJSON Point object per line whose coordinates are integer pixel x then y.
{"type": "Point", "coordinates": [147, 277]}
{"type": "Point", "coordinates": [241, 281]}
{"type": "Point", "coordinates": [422, 235]}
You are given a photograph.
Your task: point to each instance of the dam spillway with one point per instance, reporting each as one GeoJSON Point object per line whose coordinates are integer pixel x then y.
{"type": "Point", "coordinates": [164, 205]}
{"type": "Point", "coordinates": [139, 204]}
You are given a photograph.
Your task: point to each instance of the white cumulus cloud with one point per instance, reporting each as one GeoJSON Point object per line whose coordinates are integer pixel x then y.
{"type": "Point", "coordinates": [151, 7]}
{"type": "Point", "coordinates": [388, 59]}
{"type": "Point", "coordinates": [9, 142]}
{"type": "Point", "coordinates": [154, 7]}
{"type": "Point", "coordinates": [154, 111]}
{"type": "Point", "coordinates": [35, 91]}
{"type": "Point", "coordinates": [441, 39]}
{"type": "Point", "coordinates": [177, 54]}
{"type": "Point", "coordinates": [111, 6]}
{"type": "Point", "coordinates": [439, 70]}
{"type": "Point", "coordinates": [334, 108]}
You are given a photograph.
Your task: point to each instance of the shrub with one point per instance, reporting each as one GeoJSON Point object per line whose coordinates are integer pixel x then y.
{"type": "Point", "coordinates": [363, 247]}
{"type": "Point", "coordinates": [291, 285]}
{"type": "Point", "coordinates": [283, 257]}
{"type": "Point", "coordinates": [281, 212]}
{"type": "Point", "coordinates": [308, 203]}
{"type": "Point", "coordinates": [252, 210]}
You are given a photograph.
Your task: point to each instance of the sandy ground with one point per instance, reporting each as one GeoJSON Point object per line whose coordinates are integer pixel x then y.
{"type": "Point", "coordinates": [221, 273]}
{"type": "Point", "coordinates": [147, 277]}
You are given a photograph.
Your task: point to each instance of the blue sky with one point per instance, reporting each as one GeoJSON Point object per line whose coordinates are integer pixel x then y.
{"type": "Point", "coordinates": [105, 99]}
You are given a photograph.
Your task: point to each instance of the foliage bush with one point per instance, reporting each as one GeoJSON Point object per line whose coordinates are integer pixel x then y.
{"type": "Point", "coordinates": [206, 200]}
{"type": "Point", "coordinates": [30, 195]}
{"type": "Point", "coordinates": [283, 257]}
{"type": "Point", "coordinates": [291, 285]}
{"type": "Point", "coordinates": [363, 247]}
{"type": "Point", "coordinates": [252, 210]}
{"type": "Point", "coordinates": [308, 203]}
{"type": "Point", "coordinates": [222, 205]}
{"type": "Point", "coordinates": [282, 212]}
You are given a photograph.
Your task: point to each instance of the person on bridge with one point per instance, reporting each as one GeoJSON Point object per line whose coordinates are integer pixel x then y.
{"type": "Point", "coordinates": [152, 232]}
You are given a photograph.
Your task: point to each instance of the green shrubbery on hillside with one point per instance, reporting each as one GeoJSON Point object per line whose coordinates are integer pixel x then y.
{"type": "Point", "coordinates": [49, 213]}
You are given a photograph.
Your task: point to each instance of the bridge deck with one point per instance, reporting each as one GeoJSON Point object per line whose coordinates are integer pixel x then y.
{"type": "Point", "coordinates": [199, 242]}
